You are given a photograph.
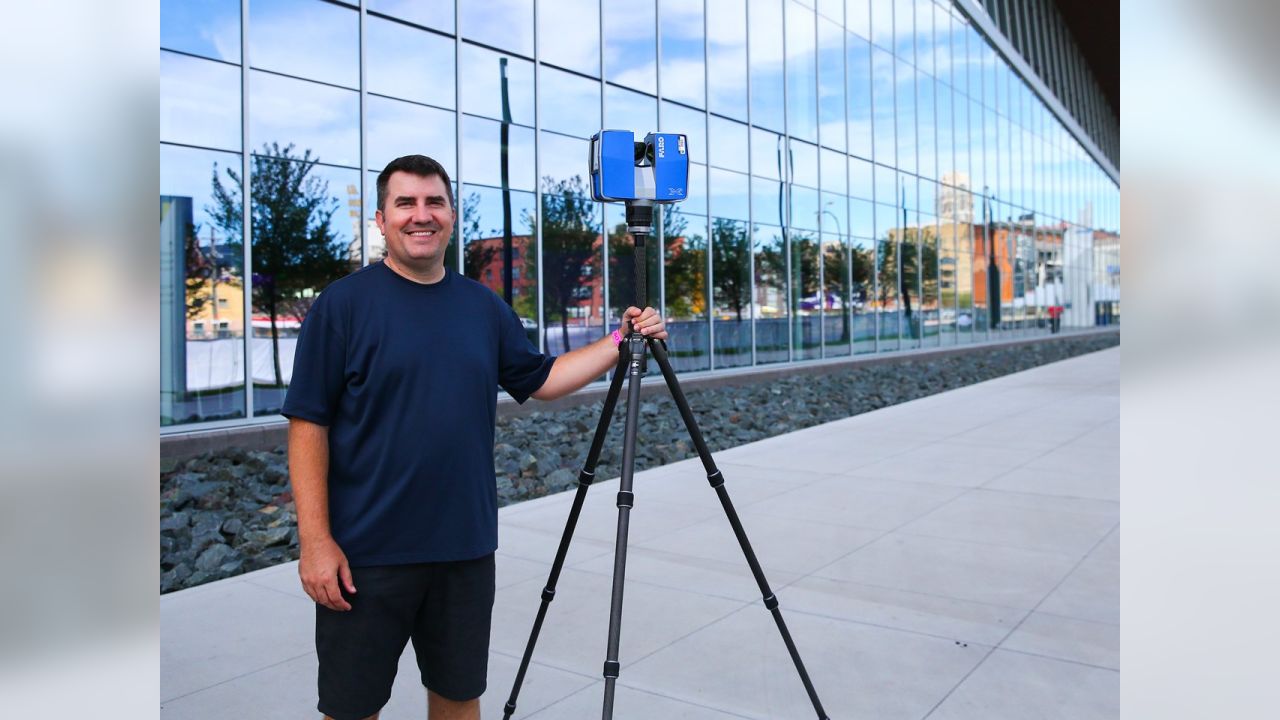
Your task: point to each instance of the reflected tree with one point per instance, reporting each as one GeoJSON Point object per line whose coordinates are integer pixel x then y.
{"type": "Point", "coordinates": [836, 274]}
{"type": "Point", "coordinates": [569, 232]}
{"type": "Point", "coordinates": [476, 254]}
{"type": "Point", "coordinates": [294, 249]}
{"type": "Point", "coordinates": [686, 276]}
{"type": "Point", "coordinates": [731, 258]}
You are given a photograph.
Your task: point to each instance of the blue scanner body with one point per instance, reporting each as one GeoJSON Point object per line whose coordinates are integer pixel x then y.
{"type": "Point", "coordinates": [622, 169]}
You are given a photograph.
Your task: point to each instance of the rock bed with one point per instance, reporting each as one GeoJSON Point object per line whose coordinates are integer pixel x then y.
{"type": "Point", "coordinates": [228, 512]}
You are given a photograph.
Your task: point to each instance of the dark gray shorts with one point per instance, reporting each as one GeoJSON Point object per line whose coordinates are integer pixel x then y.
{"type": "Point", "coordinates": [445, 608]}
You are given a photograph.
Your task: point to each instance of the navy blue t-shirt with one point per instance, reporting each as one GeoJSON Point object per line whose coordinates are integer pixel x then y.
{"type": "Point", "coordinates": [405, 377]}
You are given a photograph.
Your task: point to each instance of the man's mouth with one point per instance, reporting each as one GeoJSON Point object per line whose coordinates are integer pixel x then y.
{"type": "Point", "coordinates": [421, 233]}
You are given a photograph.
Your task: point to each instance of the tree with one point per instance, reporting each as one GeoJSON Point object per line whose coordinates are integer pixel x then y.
{"type": "Point", "coordinates": [198, 272]}
{"type": "Point", "coordinates": [294, 249]}
{"type": "Point", "coordinates": [686, 259]}
{"type": "Point", "coordinates": [731, 261]}
{"type": "Point", "coordinates": [569, 232]}
{"type": "Point", "coordinates": [476, 254]}
{"type": "Point", "coordinates": [835, 273]}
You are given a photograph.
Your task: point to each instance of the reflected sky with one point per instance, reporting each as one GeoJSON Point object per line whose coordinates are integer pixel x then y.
{"type": "Point", "coordinates": [833, 172]}
{"type": "Point", "coordinates": [727, 144]}
{"type": "Point", "coordinates": [804, 163]}
{"type": "Point", "coordinates": [837, 206]}
{"type": "Point", "coordinates": [574, 26]}
{"type": "Point", "coordinates": [681, 36]}
{"type": "Point", "coordinates": [767, 201]}
{"type": "Point", "coordinates": [571, 103]}
{"type": "Point", "coordinates": [199, 102]}
{"type": "Point", "coordinates": [306, 38]}
{"type": "Point", "coordinates": [631, 45]}
{"type": "Point", "coordinates": [436, 14]}
{"type": "Point", "coordinates": [860, 180]}
{"type": "Point", "coordinates": [801, 65]}
{"type": "Point", "coordinates": [767, 97]}
{"type": "Point", "coordinates": [766, 154]}
{"type": "Point", "coordinates": [858, 69]}
{"type": "Point", "coordinates": [482, 154]}
{"type": "Point", "coordinates": [903, 29]}
{"type": "Point", "coordinates": [729, 195]}
{"type": "Point", "coordinates": [697, 199]}
{"type": "Point", "coordinates": [504, 24]}
{"type": "Point", "coordinates": [882, 85]}
{"type": "Point", "coordinates": [727, 58]}
{"type": "Point", "coordinates": [204, 27]}
{"type": "Point", "coordinates": [481, 86]}
{"type": "Point", "coordinates": [186, 172]}
{"type": "Point", "coordinates": [905, 115]}
{"type": "Point", "coordinates": [629, 110]}
{"type": "Point", "coordinates": [857, 17]}
{"type": "Point", "coordinates": [680, 119]}
{"type": "Point", "coordinates": [804, 208]}
{"type": "Point", "coordinates": [405, 62]}
{"type": "Point", "coordinates": [862, 218]}
{"type": "Point", "coordinates": [831, 84]}
{"type": "Point", "coordinates": [324, 119]}
{"type": "Point", "coordinates": [484, 207]}
{"type": "Point", "coordinates": [399, 128]}
{"type": "Point", "coordinates": [882, 23]}
{"type": "Point", "coordinates": [562, 158]}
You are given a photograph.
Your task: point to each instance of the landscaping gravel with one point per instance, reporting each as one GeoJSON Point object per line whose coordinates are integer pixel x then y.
{"type": "Point", "coordinates": [230, 511]}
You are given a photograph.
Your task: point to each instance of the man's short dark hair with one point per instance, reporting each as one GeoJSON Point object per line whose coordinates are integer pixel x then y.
{"type": "Point", "coordinates": [419, 165]}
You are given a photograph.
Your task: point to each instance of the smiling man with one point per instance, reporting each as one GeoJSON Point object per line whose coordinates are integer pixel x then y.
{"type": "Point", "coordinates": [392, 408]}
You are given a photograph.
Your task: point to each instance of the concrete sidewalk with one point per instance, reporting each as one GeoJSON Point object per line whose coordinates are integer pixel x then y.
{"type": "Point", "coordinates": [952, 557]}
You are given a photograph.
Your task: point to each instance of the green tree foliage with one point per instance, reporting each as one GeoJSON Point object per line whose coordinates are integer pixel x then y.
{"type": "Point", "coordinates": [294, 250]}
{"type": "Point", "coordinates": [731, 260]}
{"type": "Point", "coordinates": [569, 231]}
{"type": "Point", "coordinates": [686, 258]}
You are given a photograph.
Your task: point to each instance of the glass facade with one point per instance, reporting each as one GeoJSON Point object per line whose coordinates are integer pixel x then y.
{"type": "Point", "coordinates": [866, 176]}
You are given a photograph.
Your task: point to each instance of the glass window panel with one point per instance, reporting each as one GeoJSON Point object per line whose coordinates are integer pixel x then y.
{"type": "Point", "coordinates": [974, 44]}
{"type": "Point", "coordinates": [488, 220]}
{"type": "Point", "coordinates": [404, 62]}
{"type": "Point", "coordinates": [926, 136]}
{"type": "Point", "coordinates": [860, 179]}
{"type": "Point", "coordinates": [831, 81]}
{"type": "Point", "coordinates": [306, 222]}
{"type": "Point", "coordinates": [806, 294]}
{"type": "Point", "coordinates": [766, 154]}
{"type": "Point", "coordinates": [907, 193]}
{"type": "Point", "coordinates": [727, 58]}
{"type": "Point", "coordinates": [804, 163]}
{"type": "Point", "coordinates": [945, 128]}
{"type": "Point", "coordinates": [201, 289]}
{"type": "Point", "coordinates": [834, 214]}
{"type": "Point", "coordinates": [862, 218]}
{"type": "Point", "coordinates": [396, 128]}
{"type": "Point", "coordinates": [924, 36]}
{"type": "Point", "coordinates": [886, 185]}
{"type": "Point", "coordinates": [728, 144]}
{"type": "Point", "coordinates": [772, 325]}
{"type": "Point", "coordinates": [570, 103]}
{"type": "Point", "coordinates": [768, 203]}
{"type": "Point", "coordinates": [904, 30]}
{"type": "Point", "coordinates": [575, 27]}
{"type": "Point", "coordinates": [859, 76]}
{"type": "Point", "coordinates": [622, 289]}
{"type": "Point", "coordinates": [837, 322]}
{"type": "Point", "coordinates": [767, 87]}
{"type": "Point", "coordinates": [804, 208]}
{"type": "Point", "coordinates": [730, 193]}
{"type": "Point", "coordinates": [572, 287]}
{"type": "Point", "coordinates": [802, 71]}
{"type": "Point", "coordinates": [628, 110]}
{"type": "Point", "coordinates": [482, 154]}
{"type": "Point", "coordinates": [503, 24]}
{"type": "Point", "coordinates": [481, 88]}
{"type": "Point", "coordinates": [731, 272]}
{"type": "Point", "coordinates": [631, 45]}
{"type": "Point", "coordinates": [928, 201]}
{"type": "Point", "coordinates": [210, 28]}
{"type": "Point", "coordinates": [319, 118]}
{"type": "Point", "coordinates": [306, 38]}
{"type": "Point", "coordinates": [436, 14]}
{"type": "Point", "coordinates": [888, 261]}
{"type": "Point", "coordinates": [199, 102]}
{"type": "Point", "coordinates": [882, 84]}
{"type": "Point", "coordinates": [685, 288]}
{"type": "Point", "coordinates": [696, 200]}
{"type": "Point", "coordinates": [882, 23]}
{"type": "Point", "coordinates": [857, 17]}
{"type": "Point", "coordinates": [683, 55]}
{"type": "Point", "coordinates": [977, 146]}
{"type": "Point", "coordinates": [906, 116]}
{"type": "Point", "coordinates": [693, 123]}
{"type": "Point", "coordinates": [862, 296]}
{"type": "Point", "coordinates": [929, 315]}
{"type": "Point", "coordinates": [833, 172]}
{"type": "Point", "coordinates": [832, 10]}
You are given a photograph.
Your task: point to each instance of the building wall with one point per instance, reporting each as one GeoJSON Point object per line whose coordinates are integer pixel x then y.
{"type": "Point", "coordinates": [850, 162]}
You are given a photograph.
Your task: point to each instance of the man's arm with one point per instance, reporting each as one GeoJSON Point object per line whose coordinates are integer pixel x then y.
{"type": "Point", "coordinates": [579, 367]}
{"type": "Point", "coordinates": [322, 563]}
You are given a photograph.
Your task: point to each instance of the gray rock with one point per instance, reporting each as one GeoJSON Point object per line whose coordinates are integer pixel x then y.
{"type": "Point", "coordinates": [214, 556]}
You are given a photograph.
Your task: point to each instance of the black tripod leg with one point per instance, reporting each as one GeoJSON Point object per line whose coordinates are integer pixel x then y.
{"type": "Point", "coordinates": [584, 481]}
{"type": "Point", "coordinates": [635, 369]}
{"type": "Point", "coordinates": [717, 481]}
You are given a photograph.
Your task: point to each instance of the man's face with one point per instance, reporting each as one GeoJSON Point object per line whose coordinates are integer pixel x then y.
{"type": "Point", "coordinates": [417, 219]}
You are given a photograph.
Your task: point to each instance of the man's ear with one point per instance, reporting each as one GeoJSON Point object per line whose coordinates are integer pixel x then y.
{"type": "Point", "coordinates": [377, 217]}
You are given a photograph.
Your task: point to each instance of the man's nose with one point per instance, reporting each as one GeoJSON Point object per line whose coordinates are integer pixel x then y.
{"type": "Point", "coordinates": [421, 214]}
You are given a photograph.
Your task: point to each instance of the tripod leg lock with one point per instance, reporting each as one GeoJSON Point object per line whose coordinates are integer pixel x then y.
{"type": "Point", "coordinates": [716, 479]}
{"type": "Point", "coordinates": [509, 708]}
{"type": "Point", "coordinates": [771, 602]}
{"type": "Point", "coordinates": [611, 668]}
{"type": "Point", "coordinates": [586, 477]}
{"type": "Point", "coordinates": [626, 499]}
{"type": "Point", "coordinates": [548, 594]}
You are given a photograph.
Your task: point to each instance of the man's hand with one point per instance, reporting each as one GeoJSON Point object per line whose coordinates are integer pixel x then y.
{"type": "Point", "coordinates": [322, 566]}
{"type": "Point", "coordinates": [648, 322]}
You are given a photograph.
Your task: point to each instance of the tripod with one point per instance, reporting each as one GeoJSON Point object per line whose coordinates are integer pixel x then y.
{"type": "Point", "coordinates": [631, 364]}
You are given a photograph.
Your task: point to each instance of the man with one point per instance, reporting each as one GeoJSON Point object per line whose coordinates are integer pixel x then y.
{"type": "Point", "coordinates": [391, 409]}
